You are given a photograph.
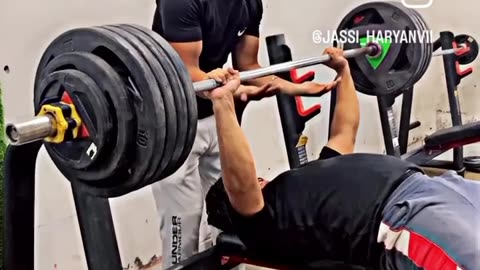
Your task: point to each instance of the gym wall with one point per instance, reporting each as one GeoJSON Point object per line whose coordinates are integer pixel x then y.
{"type": "Point", "coordinates": [26, 28]}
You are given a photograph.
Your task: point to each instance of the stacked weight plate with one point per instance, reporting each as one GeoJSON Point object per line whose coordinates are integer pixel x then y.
{"type": "Point", "coordinates": [424, 39]}
{"type": "Point", "coordinates": [179, 81]}
{"type": "Point", "coordinates": [137, 105]}
{"type": "Point", "coordinates": [404, 63]}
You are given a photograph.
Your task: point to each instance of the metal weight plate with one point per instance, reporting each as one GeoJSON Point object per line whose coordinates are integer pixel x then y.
{"type": "Point", "coordinates": [409, 53]}
{"type": "Point", "coordinates": [401, 60]}
{"type": "Point", "coordinates": [187, 88]}
{"type": "Point", "coordinates": [428, 44]}
{"type": "Point", "coordinates": [164, 152]}
{"type": "Point", "coordinates": [76, 158]}
{"type": "Point", "coordinates": [470, 56]}
{"type": "Point", "coordinates": [110, 159]}
{"type": "Point", "coordinates": [178, 95]}
{"type": "Point", "coordinates": [187, 114]}
{"type": "Point", "coordinates": [143, 89]}
{"type": "Point", "coordinates": [184, 110]}
{"type": "Point", "coordinates": [420, 29]}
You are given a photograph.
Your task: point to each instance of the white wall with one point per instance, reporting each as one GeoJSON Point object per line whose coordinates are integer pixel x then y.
{"type": "Point", "coordinates": [26, 28]}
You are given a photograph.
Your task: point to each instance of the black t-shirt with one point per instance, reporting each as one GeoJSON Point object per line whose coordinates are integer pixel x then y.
{"type": "Point", "coordinates": [219, 24]}
{"type": "Point", "coordinates": [326, 210]}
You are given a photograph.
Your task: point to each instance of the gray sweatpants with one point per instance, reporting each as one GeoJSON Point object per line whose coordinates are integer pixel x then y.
{"type": "Point", "coordinates": [180, 198]}
{"type": "Point", "coordinates": [432, 223]}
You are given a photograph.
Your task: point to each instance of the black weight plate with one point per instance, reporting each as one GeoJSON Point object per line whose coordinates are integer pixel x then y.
{"type": "Point", "coordinates": [144, 95]}
{"type": "Point", "coordinates": [189, 92]}
{"type": "Point", "coordinates": [178, 95]}
{"type": "Point", "coordinates": [410, 54]}
{"type": "Point", "coordinates": [420, 28]}
{"type": "Point", "coordinates": [183, 110]}
{"type": "Point", "coordinates": [402, 59]}
{"type": "Point", "coordinates": [430, 47]}
{"type": "Point", "coordinates": [168, 147]}
{"type": "Point", "coordinates": [470, 56]}
{"type": "Point", "coordinates": [427, 43]}
{"type": "Point", "coordinates": [75, 157]}
{"type": "Point", "coordinates": [112, 161]}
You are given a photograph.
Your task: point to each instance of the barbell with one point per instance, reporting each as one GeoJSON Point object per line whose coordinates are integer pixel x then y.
{"type": "Point", "coordinates": [116, 106]}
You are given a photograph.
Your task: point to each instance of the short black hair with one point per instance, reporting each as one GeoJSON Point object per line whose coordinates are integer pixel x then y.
{"type": "Point", "coordinates": [219, 209]}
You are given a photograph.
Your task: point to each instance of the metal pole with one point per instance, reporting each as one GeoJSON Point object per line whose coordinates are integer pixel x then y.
{"type": "Point", "coordinates": [405, 116]}
{"type": "Point", "coordinates": [453, 80]}
{"type": "Point", "coordinates": [97, 230]}
{"type": "Point", "coordinates": [42, 126]}
{"type": "Point", "coordinates": [26, 132]}
{"type": "Point", "coordinates": [285, 67]}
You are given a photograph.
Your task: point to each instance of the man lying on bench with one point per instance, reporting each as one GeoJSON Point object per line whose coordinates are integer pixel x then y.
{"type": "Point", "coordinates": [368, 210]}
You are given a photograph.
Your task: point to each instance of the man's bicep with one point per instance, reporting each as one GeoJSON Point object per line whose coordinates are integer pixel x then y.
{"type": "Point", "coordinates": [246, 53]}
{"type": "Point", "coordinates": [180, 20]}
{"type": "Point", "coordinates": [188, 51]}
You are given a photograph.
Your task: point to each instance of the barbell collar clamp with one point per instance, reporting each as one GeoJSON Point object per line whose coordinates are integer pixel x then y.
{"type": "Point", "coordinates": [36, 129]}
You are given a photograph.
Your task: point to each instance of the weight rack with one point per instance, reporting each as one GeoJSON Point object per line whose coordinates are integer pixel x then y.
{"type": "Point", "coordinates": [396, 140]}
{"type": "Point", "coordinates": [94, 216]}
{"type": "Point", "coordinates": [293, 117]}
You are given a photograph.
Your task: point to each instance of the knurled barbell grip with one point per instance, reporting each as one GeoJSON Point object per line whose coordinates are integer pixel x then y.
{"type": "Point", "coordinates": [210, 84]}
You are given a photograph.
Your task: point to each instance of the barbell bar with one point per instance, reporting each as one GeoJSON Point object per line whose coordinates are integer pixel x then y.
{"type": "Point", "coordinates": [372, 49]}
{"type": "Point", "coordinates": [43, 126]}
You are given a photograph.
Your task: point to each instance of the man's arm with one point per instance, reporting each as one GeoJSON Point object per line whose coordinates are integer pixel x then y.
{"type": "Point", "coordinates": [237, 162]}
{"type": "Point", "coordinates": [245, 58]}
{"type": "Point", "coordinates": [190, 54]}
{"type": "Point", "coordinates": [178, 21]}
{"type": "Point", "coordinates": [346, 117]}
{"type": "Point", "coordinates": [245, 54]}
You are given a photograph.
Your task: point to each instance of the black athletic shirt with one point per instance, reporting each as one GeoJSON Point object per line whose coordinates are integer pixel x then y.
{"type": "Point", "coordinates": [219, 24]}
{"type": "Point", "coordinates": [327, 209]}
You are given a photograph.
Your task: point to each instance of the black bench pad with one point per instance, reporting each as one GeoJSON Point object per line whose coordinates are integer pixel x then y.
{"type": "Point", "coordinates": [453, 137]}
{"type": "Point", "coordinates": [231, 244]}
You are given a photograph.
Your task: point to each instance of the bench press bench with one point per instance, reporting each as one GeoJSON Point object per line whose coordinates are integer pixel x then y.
{"type": "Point", "coordinates": [230, 251]}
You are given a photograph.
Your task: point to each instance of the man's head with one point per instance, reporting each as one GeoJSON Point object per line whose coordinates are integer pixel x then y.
{"type": "Point", "coordinates": [219, 209]}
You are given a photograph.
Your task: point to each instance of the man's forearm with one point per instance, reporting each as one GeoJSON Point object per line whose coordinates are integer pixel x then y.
{"type": "Point", "coordinates": [347, 111]}
{"type": "Point", "coordinates": [197, 74]}
{"type": "Point", "coordinates": [237, 162]}
{"type": "Point", "coordinates": [259, 82]}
